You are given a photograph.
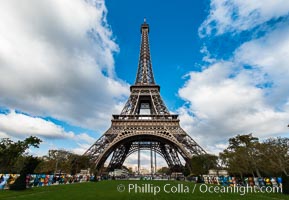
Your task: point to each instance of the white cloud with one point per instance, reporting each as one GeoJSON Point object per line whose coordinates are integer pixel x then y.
{"type": "Point", "coordinates": [83, 142]}
{"type": "Point", "coordinates": [223, 101]}
{"type": "Point", "coordinates": [85, 138]}
{"type": "Point", "coordinates": [19, 126]}
{"type": "Point", "coordinates": [239, 15]}
{"type": "Point", "coordinates": [82, 147]}
{"type": "Point", "coordinates": [56, 59]}
{"type": "Point", "coordinates": [269, 55]}
{"type": "Point", "coordinates": [3, 135]}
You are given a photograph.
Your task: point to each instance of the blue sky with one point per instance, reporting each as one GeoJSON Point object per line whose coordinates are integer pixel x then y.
{"type": "Point", "coordinates": [66, 67]}
{"type": "Point", "coordinates": [174, 41]}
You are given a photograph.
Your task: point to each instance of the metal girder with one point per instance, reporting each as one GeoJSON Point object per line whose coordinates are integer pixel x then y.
{"type": "Point", "coordinates": [161, 108]}
{"type": "Point", "coordinates": [189, 144]}
{"type": "Point", "coordinates": [130, 105]}
{"type": "Point", "coordinates": [171, 157]}
{"type": "Point", "coordinates": [144, 146]}
{"type": "Point", "coordinates": [158, 107]}
{"type": "Point", "coordinates": [118, 157]}
{"type": "Point", "coordinates": [99, 146]}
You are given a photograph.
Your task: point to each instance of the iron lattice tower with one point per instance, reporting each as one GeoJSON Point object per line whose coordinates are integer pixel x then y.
{"type": "Point", "coordinates": [144, 124]}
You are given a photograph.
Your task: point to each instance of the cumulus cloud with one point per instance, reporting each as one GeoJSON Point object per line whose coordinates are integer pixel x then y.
{"type": "Point", "coordinates": [20, 125]}
{"type": "Point", "coordinates": [222, 104]}
{"type": "Point", "coordinates": [269, 55]}
{"type": "Point", "coordinates": [85, 138]}
{"type": "Point", "coordinates": [83, 142]}
{"type": "Point", "coordinates": [56, 59]}
{"type": "Point", "coordinates": [248, 92]}
{"type": "Point", "coordinates": [239, 15]}
{"type": "Point", "coordinates": [82, 147]}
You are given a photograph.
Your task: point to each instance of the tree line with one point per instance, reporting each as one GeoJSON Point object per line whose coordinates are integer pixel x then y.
{"type": "Point", "coordinates": [247, 156]}
{"type": "Point", "coordinates": [244, 156]}
{"type": "Point", "coordinates": [14, 158]}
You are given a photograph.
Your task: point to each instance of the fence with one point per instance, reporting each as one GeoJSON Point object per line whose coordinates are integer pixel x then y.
{"type": "Point", "coordinates": [39, 180]}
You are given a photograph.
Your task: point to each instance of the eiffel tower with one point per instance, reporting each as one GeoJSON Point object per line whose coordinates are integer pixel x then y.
{"type": "Point", "coordinates": [144, 124]}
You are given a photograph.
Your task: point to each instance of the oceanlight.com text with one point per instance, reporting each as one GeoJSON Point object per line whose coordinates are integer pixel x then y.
{"type": "Point", "coordinates": [192, 188]}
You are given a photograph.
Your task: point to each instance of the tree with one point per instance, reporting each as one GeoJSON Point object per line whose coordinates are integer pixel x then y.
{"type": "Point", "coordinates": [274, 154]}
{"type": "Point", "coordinates": [13, 158]}
{"type": "Point", "coordinates": [130, 170]}
{"type": "Point", "coordinates": [246, 155]}
{"type": "Point", "coordinates": [164, 170]}
{"type": "Point", "coordinates": [201, 164]}
{"type": "Point", "coordinates": [29, 167]}
{"type": "Point", "coordinates": [78, 162]}
{"type": "Point", "coordinates": [62, 161]}
{"type": "Point", "coordinates": [242, 155]}
{"type": "Point", "coordinates": [235, 161]}
{"type": "Point", "coordinates": [11, 151]}
{"type": "Point", "coordinates": [61, 158]}
{"type": "Point", "coordinates": [46, 166]}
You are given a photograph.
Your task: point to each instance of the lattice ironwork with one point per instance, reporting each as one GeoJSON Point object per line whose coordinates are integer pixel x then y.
{"type": "Point", "coordinates": [119, 155]}
{"type": "Point", "coordinates": [148, 94]}
{"type": "Point", "coordinates": [145, 74]}
{"type": "Point", "coordinates": [144, 124]}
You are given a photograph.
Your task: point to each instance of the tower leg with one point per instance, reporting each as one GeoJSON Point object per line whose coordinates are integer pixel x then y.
{"type": "Point", "coordinates": [138, 159]}
{"type": "Point", "coordinates": [155, 161]}
{"type": "Point", "coordinates": [152, 165]}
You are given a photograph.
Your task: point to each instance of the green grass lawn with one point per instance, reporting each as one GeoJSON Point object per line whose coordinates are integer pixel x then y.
{"type": "Point", "coordinates": [108, 190]}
